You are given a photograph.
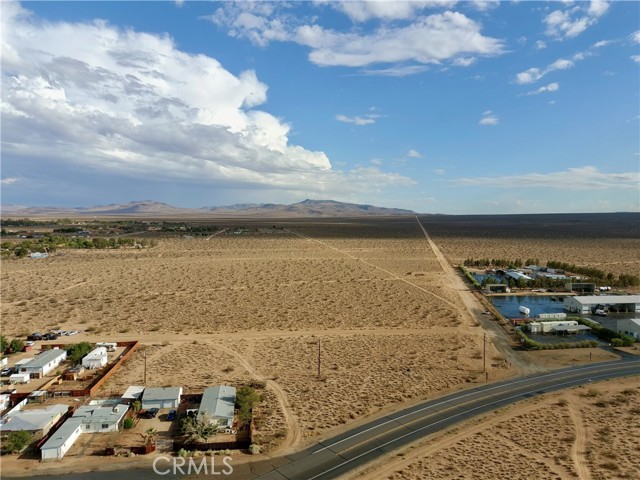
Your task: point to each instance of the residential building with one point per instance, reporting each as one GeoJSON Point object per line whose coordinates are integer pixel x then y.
{"type": "Point", "coordinates": [218, 404]}
{"type": "Point", "coordinates": [161, 397]}
{"type": "Point", "coordinates": [43, 363]}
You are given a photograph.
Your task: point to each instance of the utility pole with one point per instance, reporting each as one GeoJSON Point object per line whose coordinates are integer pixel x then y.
{"type": "Point", "coordinates": [145, 367]}
{"type": "Point", "coordinates": [318, 358]}
{"type": "Point", "coordinates": [484, 353]}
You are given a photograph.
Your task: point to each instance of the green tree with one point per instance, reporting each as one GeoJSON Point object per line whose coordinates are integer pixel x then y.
{"type": "Point", "coordinates": [246, 399]}
{"type": "Point", "coordinates": [199, 428]}
{"type": "Point", "coordinates": [137, 406]}
{"type": "Point", "coordinates": [18, 441]}
{"type": "Point", "coordinates": [16, 345]}
{"type": "Point", "coordinates": [77, 351]}
{"type": "Point", "coordinates": [4, 343]}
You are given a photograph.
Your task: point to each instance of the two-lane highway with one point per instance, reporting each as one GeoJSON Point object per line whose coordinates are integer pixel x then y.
{"type": "Point", "coordinates": [339, 455]}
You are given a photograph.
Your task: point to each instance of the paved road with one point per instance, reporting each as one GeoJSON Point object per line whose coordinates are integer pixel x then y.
{"type": "Point", "coordinates": [338, 455]}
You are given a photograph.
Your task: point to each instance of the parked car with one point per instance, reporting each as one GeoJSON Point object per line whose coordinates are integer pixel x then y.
{"type": "Point", "coordinates": [6, 372]}
{"type": "Point", "coordinates": [73, 332]}
{"type": "Point", "coordinates": [49, 336]}
{"type": "Point", "coordinates": [152, 412]}
{"type": "Point", "coordinates": [171, 416]}
{"type": "Point", "coordinates": [29, 344]}
{"type": "Point", "coordinates": [35, 336]}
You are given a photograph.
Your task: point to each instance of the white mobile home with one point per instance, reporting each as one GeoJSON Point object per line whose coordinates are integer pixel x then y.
{"type": "Point", "coordinates": [60, 442]}
{"type": "Point", "coordinates": [96, 358]}
{"type": "Point", "coordinates": [629, 326]}
{"type": "Point", "coordinates": [218, 404]}
{"type": "Point", "coordinates": [43, 363]}
{"type": "Point", "coordinates": [96, 418]}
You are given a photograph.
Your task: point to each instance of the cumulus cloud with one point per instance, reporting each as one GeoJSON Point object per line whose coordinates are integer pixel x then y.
{"type": "Point", "coordinates": [427, 39]}
{"type": "Point", "coordinates": [134, 104]}
{"type": "Point", "coordinates": [489, 118]}
{"type": "Point", "coordinates": [363, 11]}
{"type": "Point", "coordinates": [572, 21]}
{"type": "Point", "coordinates": [635, 58]}
{"type": "Point", "coordinates": [635, 36]}
{"type": "Point", "coordinates": [8, 180]}
{"type": "Point", "coordinates": [414, 154]}
{"type": "Point", "coordinates": [552, 87]}
{"type": "Point", "coordinates": [540, 45]}
{"type": "Point", "coordinates": [367, 119]}
{"type": "Point", "coordinates": [580, 178]}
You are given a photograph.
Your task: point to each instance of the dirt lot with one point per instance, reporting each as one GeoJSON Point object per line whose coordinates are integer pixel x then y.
{"type": "Point", "coordinates": [391, 322]}
{"type": "Point", "coordinates": [586, 432]}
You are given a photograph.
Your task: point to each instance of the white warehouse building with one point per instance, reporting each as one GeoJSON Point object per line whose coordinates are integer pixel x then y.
{"type": "Point", "coordinates": [587, 304]}
{"type": "Point", "coordinates": [96, 358]}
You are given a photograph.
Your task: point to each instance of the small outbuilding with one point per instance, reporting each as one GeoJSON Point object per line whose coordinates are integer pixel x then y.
{"type": "Point", "coordinates": [161, 397]}
{"type": "Point", "coordinates": [629, 326]}
{"type": "Point", "coordinates": [19, 378]}
{"type": "Point", "coordinates": [97, 358]}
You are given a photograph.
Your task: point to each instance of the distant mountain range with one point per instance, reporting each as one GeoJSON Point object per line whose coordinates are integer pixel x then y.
{"type": "Point", "coordinates": [306, 208]}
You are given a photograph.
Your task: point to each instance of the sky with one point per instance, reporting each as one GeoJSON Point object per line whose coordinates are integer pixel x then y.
{"type": "Point", "coordinates": [468, 107]}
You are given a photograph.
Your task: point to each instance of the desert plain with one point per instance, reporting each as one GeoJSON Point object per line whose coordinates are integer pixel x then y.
{"type": "Point", "coordinates": [378, 298]}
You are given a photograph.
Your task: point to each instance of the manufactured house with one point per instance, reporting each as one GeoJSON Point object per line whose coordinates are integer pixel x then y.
{"type": "Point", "coordinates": [37, 421]}
{"type": "Point", "coordinates": [101, 418]}
{"type": "Point", "coordinates": [96, 358]}
{"type": "Point", "coordinates": [161, 397]}
{"type": "Point", "coordinates": [43, 363]}
{"type": "Point", "coordinates": [218, 404]}
{"type": "Point", "coordinates": [61, 441]}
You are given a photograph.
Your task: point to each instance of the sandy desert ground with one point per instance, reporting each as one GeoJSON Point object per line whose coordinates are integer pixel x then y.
{"type": "Point", "coordinates": [587, 433]}
{"type": "Point", "coordinates": [393, 324]}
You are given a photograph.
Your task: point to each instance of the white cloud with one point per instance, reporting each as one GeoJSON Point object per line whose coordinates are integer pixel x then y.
{"type": "Point", "coordinates": [400, 71]}
{"type": "Point", "coordinates": [484, 5]}
{"type": "Point", "coordinates": [362, 11]}
{"type": "Point", "coordinates": [376, 161]}
{"type": "Point", "coordinates": [430, 39]}
{"type": "Point", "coordinates": [580, 178]}
{"type": "Point", "coordinates": [439, 171]}
{"type": "Point", "coordinates": [540, 45]}
{"type": "Point", "coordinates": [414, 154]}
{"type": "Point", "coordinates": [572, 21]}
{"type": "Point", "coordinates": [357, 120]}
{"type": "Point", "coordinates": [635, 58]}
{"type": "Point", "coordinates": [635, 36]}
{"type": "Point", "coordinates": [135, 105]}
{"type": "Point", "coordinates": [488, 118]}
{"type": "Point", "coordinates": [8, 180]}
{"type": "Point", "coordinates": [552, 87]}
{"type": "Point", "coordinates": [534, 74]}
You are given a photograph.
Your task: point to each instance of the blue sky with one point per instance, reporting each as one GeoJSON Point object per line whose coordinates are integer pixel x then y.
{"type": "Point", "coordinates": [436, 106]}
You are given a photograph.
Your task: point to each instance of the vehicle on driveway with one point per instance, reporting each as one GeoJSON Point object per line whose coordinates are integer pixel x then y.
{"type": "Point", "coordinates": [171, 416]}
{"type": "Point", "coordinates": [6, 372]}
{"type": "Point", "coordinates": [151, 413]}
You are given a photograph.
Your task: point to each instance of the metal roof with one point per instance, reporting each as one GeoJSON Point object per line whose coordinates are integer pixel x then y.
{"type": "Point", "coordinates": [96, 354]}
{"type": "Point", "coordinates": [134, 392]}
{"type": "Point", "coordinates": [100, 414]}
{"type": "Point", "coordinates": [161, 393]}
{"type": "Point", "coordinates": [218, 402]}
{"type": "Point", "coordinates": [570, 328]}
{"type": "Point", "coordinates": [32, 419]}
{"type": "Point", "coordinates": [45, 357]}
{"type": "Point", "coordinates": [67, 429]}
{"type": "Point", "coordinates": [595, 299]}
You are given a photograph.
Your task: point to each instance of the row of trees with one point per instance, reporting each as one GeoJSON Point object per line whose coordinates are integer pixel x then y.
{"type": "Point", "coordinates": [500, 262]}
{"type": "Point", "coordinates": [51, 243]}
{"type": "Point", "coordinates": [594, 274]}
